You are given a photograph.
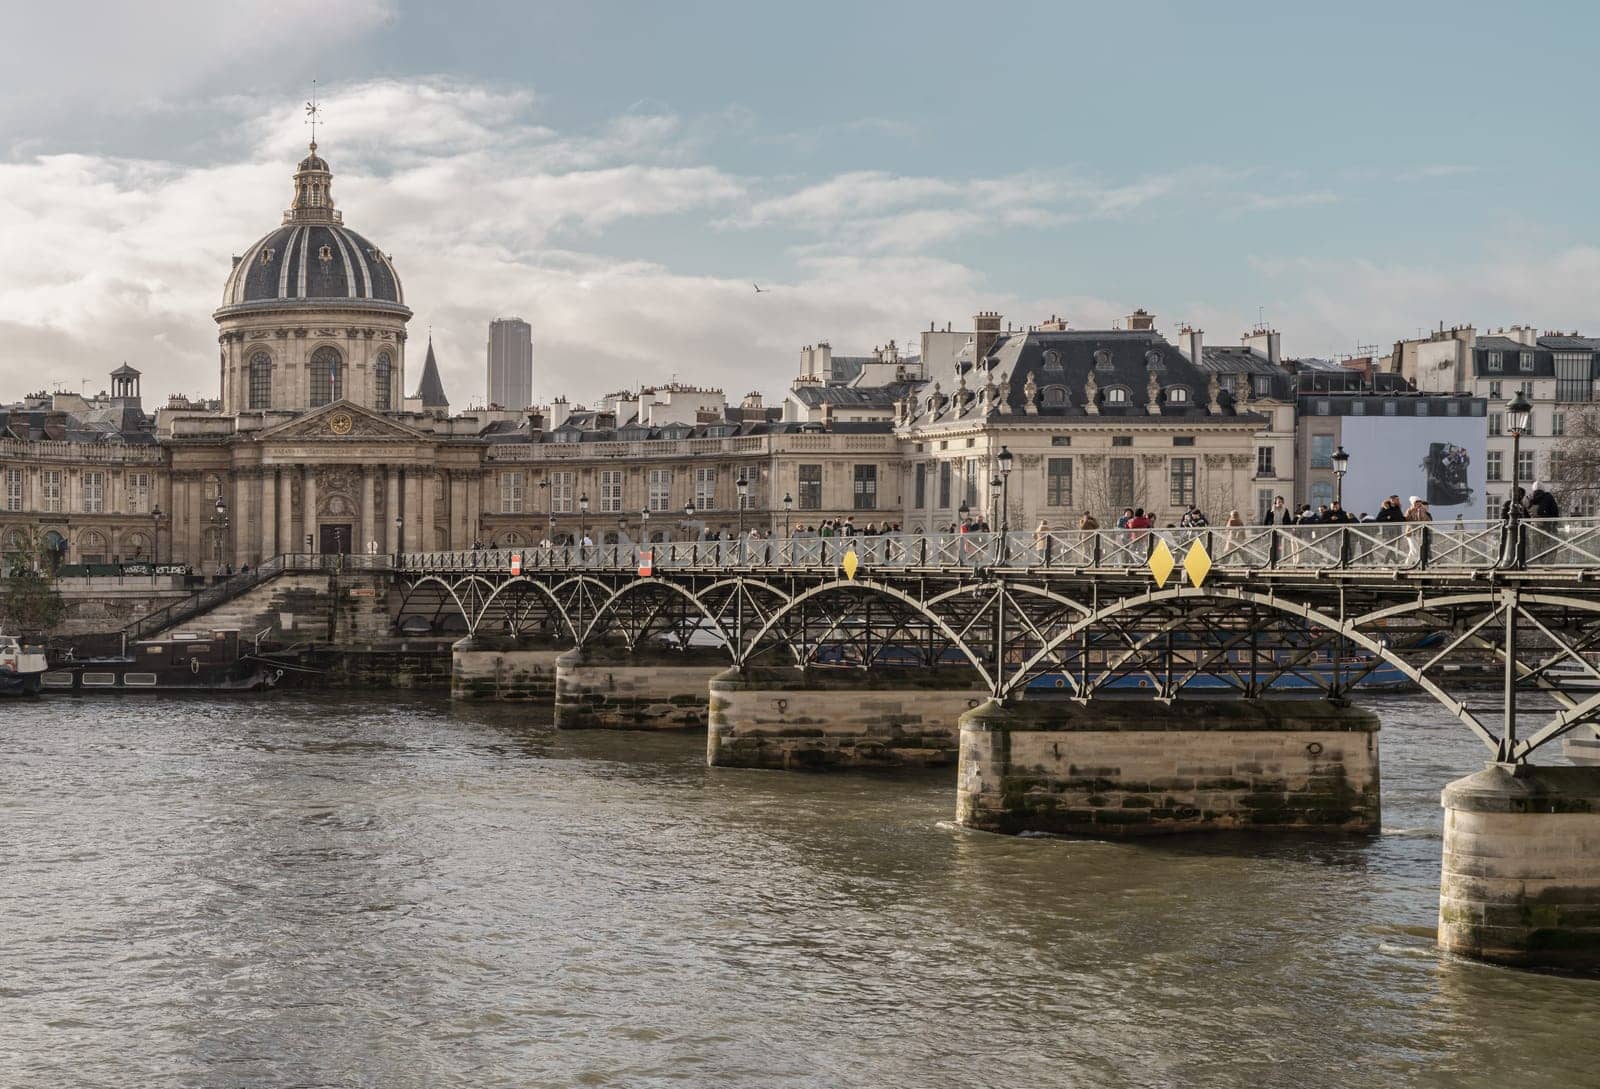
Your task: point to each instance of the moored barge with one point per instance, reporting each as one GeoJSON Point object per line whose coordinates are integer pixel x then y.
{"type": "Point", "coordinates": [180, 663]}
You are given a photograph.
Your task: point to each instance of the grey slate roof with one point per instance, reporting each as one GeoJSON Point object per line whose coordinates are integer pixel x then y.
{"type": "Point", "coordinates": [431, 389]}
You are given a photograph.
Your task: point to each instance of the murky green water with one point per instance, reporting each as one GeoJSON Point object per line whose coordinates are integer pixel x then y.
{"type": "Point", "coordinates": [329, 891]}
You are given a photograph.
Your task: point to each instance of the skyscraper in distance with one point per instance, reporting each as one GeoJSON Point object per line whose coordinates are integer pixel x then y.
{"type": "Point", "coordinates": [510, 363]}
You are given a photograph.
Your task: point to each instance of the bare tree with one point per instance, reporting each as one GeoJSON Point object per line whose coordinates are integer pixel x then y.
{"type": "Point", "coordinates": [1573, 474]}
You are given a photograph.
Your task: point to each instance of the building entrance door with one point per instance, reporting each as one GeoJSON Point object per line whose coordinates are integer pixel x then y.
{"type": "Point", "coordinates": [335, 539]}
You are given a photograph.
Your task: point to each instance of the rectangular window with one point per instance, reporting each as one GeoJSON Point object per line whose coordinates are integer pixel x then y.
{"type": "Point", "coordinates": [1524, 465]}
{"type": "Point", "coordinates": [1264, 462]}
{"type": "Point", "coordinates": [1182, 474]}
{"type": "Point", "coordinates": [1492, 464]}
{"type": "Point", "coordinates": [1119, 483]}
{"type": "Point", "coordinates": [1494, 390]}
{"type": "Point", "coordinates": [1122, 440]}
{"type": "Point", "coordinates": [1263, 502]}
{"type": "Point", "coordinates": [919, 493]}
{"type": "Point", "coordinates": [261, 383]}
{"type": "Point", "coordinates": [810, 496]}
{"type": "Point", "coordinates": [944, 485]}
{"type": "Point", "coordinates": [13, 489]}
{"type": "Point", "coordinates": [705, 487]}
{"type": "Point", "coordinates": [1322, 451]}
{"type": "Point", "coordinates": [661, 490]}
{"type": "Point", "coordinates": [1573, 383]}
{"type": "Point", "coordinates": [1324, 407]}
{"type": "Point", "coordinates": [1183, 440]}
{"type": "Point", "coordinates": [1452, 408]}
{"type": "Point", "coordinates": [1058, 482]}
{"type": "Point", "coordinates": [1492, 362]}
{"type": "Point", "coordinates": [866, 487]}
{"type": "Point", "coordinates": [1525, 361]}
{"type": "Point", "coordinates": [1495, 419]}
{"type": "Point", "coordinates": [1358, 406]}
{"type": "Point", "coordinates": [94, 492]}
{"type": "Point", "coordinates": [513, 490]}
{"type": "Point", "coordinates": [1390, 408]}
{"type": "Point", "coordinates": [969, 488]}
{"type": "Point", "coordinates": [50, 481]}
{"type": "Point", "coordinates": [611, 491]}
{"type": "Point", "coordinates": [138, 493]}
{"type": "Point", "coordinates": [1558, 424]}
{"type": "Point", "coordinates": [1422, 408]}
{"type": "Point", "coordinates": [1060, 440]}
{"type": "Point", "coordinates": [562, 486]}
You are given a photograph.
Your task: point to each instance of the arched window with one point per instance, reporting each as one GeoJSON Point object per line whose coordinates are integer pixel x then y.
{"type": "Point", "coordinates": [92, 547]}
{"type": "Point", "coordinates": [382, 382]}
{"type": "Point", "coordinates": [327, 376]}
{"type": "Point", "coordinates": [1055, 396]}
{"type": "Point", "coordinates": [261, 380]}
{"type": "Point", "coordinates": [1177, 395]}
{"type": "Point", "coordinates": [1116, 395]}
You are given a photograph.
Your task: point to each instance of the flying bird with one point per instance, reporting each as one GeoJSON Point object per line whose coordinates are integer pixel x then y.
{"type": "Point", "coordinates": [760, 290]}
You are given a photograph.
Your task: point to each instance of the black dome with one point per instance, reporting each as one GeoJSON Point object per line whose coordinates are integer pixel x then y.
{"type": "Point", "coordinates": [301, 262]}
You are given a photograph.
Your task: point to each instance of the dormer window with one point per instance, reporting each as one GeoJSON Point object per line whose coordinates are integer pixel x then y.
{"type": "Point", "coordinates": [1492, 361]}
{"type": "Point", "coordinates": [1154, 360]}
{"type": "Point", "coordinates": [1116, 395]}
{"type": "Point", "coordinates": [1102, 359]}
{"type": "Point", "coordinates": [325, 254]}
{"type": "Point", "coordinates": [1052, 361]}
{"type": "Point", "coordinates": [1177, 395]}
{"type": "Point", "coordinates": [268, 254]}
{"type": "Point", "coordinates": [1055, 396]}
{"type": "Point", "coordinates": [1525, 361]}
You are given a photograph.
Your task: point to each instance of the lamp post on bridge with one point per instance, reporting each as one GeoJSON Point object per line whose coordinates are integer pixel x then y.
{"type": "Point", "coordinates": [1519, 414]}
{"type": "Point", "coordinates": [788, 505]}
{"type": "Point", "coordinates": [743, 487]}
{"type": "Point", "coordinates": [583, 518]}
{"type": "Point", "coordinates": [221, 517]}
{"type": "Point", "coordinates": [156, 516]}
{"type": "Point", "coordinates": [1004, 461]}
{"type": "Point", "coordinates": [1341, 466]}
{"type": "Point", "coordinates": [399, 538]}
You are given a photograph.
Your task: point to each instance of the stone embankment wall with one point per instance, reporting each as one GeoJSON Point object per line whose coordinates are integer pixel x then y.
{"type": "Point", "coordinates": [1123, 766]}
{"type": "Point", "coordinates": [107, 604]}
{"type": "Point", "coordinates": [837, 717]}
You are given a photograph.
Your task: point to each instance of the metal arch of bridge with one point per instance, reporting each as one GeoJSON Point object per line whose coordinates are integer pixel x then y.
{"type": "Point", "coordinates": [1094, 627]}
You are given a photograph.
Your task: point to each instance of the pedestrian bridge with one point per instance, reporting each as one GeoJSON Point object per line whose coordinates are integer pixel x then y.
{"type": "Point", "coordinates": [1471, 613]}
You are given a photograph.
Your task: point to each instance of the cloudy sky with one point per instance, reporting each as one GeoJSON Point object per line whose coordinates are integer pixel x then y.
{"type": "Point", "coordinates": [620, 174]}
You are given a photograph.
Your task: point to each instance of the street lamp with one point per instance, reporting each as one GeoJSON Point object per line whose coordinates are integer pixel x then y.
{"type": "Point", "coordinates": [644, 526]}
{"type": "Point", "coordinates": [156, 516]}
{"type": "Point", "coordinates": [1341, 466]}
{"type": "Point", "coordinates": [788, 505]}
{"type": "Point", "coordinates": [221, 516]}
{"type": "Point", "coordinates": [583, 517]}
{"type": "Point", "coordinates": [399, 538]}
{"type": "Point", "coordinates": [995, 487]}
{"type": "Point", "coordinates": [1519, 416]}
{"type": "Point", "coordinates": [550, 537]}
{"type": "Point", "coordinates": [743, 487]}
{"type": "Point", "coordinates": [1004, 460]}
{"type": "Point", "coordinates": [964, 511]}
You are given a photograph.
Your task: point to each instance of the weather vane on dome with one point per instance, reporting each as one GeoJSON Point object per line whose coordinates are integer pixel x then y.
{"type": "Point", "coordinates": [313, 114]}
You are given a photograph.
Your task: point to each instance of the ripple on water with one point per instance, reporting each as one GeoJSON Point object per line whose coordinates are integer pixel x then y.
{"type": "Point", "coordinates": [342, 891]}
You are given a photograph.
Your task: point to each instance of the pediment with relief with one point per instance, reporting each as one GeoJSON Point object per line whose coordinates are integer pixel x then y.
{"type": "Point", "coordinates": [340, 420]}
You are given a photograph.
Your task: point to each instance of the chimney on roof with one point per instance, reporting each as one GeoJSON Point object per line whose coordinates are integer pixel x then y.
{"type": "Point", "coordinates": [1267, 341]}
{"type": "Point", "coordinates": [1193, 344]}
{"type": "Point", "coordinates": [1141, 320]}
{"type": "Point", "coordinates": [986, 330]}
{"type": "Point", "coordinates": [1054, 325]}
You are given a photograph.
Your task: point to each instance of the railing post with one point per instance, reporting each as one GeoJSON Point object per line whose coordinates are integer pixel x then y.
{"type": "Point", "coordinates": [1344, 546]}
{"type": "Point", "coordinates": [1273, 538]}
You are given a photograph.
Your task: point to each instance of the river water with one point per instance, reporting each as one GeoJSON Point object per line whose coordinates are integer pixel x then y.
{"type": "Point", "coordinates": [324, 890]}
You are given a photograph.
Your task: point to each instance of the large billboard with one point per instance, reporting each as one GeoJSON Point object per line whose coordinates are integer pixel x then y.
{"type": "Point", "coordinates": [1439, 458]}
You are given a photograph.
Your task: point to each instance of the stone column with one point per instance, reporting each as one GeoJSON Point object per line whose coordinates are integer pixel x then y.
{"type": "Point", "coordinates": [269, 512]}
{"type": "Point", "coordinates": [413, 510]}
{"type": "Point", "coordinates": [391, 477]}
{"type": "Point", "coordinates": [425, 506]}
{"type": "Point", "coordinates": [308, 510]}
{"type": "Point", "coordinates": [1519, 883]}
{"type": "Point", "coordinates": [369, 498]}
{"type": "Point", "coordinates": [242, 509]}
{"type": "Point", "coordinates": [286, 538]}
{"type": "Point", "coordinates": [195, 529]}
{"type": "Point", "coordinates": [458, 511]}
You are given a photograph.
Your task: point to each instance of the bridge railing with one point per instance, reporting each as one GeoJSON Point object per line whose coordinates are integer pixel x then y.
{"type": "Point", "coordinates": [1396, 546]}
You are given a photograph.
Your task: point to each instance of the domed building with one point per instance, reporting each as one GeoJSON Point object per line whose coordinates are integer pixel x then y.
{"type": "Point", "coordinates": [312, 312]}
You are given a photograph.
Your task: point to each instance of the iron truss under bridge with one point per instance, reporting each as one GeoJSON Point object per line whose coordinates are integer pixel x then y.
{"type": "Point", "coordinates": [1472, 613]}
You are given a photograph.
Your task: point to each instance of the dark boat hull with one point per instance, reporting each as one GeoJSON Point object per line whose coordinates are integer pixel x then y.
{"type": "Point", "coordinates": [124, 676]}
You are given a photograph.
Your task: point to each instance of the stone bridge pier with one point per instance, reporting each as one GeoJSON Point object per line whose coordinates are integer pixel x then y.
{"type": "Point", "coordinates": [837, 717]}
{"type": "Point", "coordinates": [503, 667]}
{"type": "Point", "coordinates": [606, 686]}
{"type": "Point", "coordinates": [1113, 766]}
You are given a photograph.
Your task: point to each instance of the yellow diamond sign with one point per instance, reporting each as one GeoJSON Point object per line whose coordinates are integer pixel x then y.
{"type": "Point", "coordinates": [850, 563]}
{"type": "Point", "coordinates": [1161, 562]}
{"type": "Point", "coordinates": [1197, 563]}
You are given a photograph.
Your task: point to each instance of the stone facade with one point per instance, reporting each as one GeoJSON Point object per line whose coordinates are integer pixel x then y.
{"type": "Point", "coordinates": [608, 688]}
